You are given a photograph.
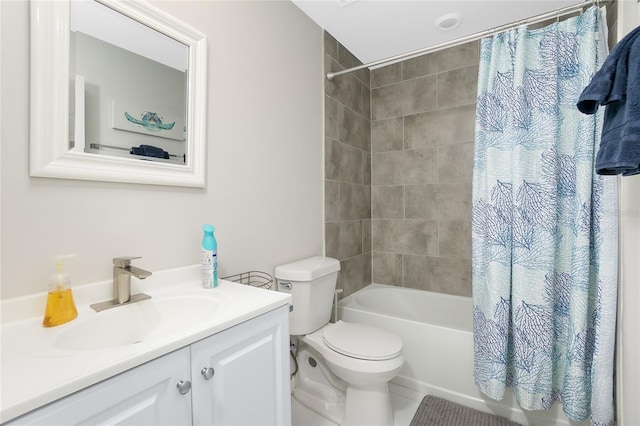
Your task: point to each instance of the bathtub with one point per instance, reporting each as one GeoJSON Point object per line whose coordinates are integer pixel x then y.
{"type": "Point", "coordinates": [436, 330]}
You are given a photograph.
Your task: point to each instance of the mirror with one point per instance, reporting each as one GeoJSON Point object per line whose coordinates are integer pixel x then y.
{"type": "Point", "coordinates": [118, 93]}
{"type": "Point", "coordinates": [128, 87]}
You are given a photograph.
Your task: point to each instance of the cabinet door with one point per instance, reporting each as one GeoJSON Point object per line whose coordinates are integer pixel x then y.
{"type": "Point", "coordinates": [145, 395]}
{"type": "Point", "coordinates": [250, 366]}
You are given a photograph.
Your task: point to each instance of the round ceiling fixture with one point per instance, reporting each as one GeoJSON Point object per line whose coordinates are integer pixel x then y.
{"type": "Point", "coordinates": [448, 21]}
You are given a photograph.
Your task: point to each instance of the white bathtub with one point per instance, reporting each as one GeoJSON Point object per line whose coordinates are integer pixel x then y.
{"type": "Point", "coordinates": [436, 330]}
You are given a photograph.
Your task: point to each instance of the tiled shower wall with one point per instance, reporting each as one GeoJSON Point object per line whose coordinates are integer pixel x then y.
{"type": "Point", "coordinates": [347, 168]}
{"type": "Point", "coordinates": [398, 170]}
{"type": "Point", "coordinates": [422, 131]}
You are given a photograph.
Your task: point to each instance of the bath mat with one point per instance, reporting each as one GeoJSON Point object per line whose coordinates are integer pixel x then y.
{"type": "Point", "coordinates": [434, 411]}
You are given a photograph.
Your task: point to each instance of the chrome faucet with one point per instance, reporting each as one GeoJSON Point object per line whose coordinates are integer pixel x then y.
{"type": "Point", "coordinates": [122, 272]}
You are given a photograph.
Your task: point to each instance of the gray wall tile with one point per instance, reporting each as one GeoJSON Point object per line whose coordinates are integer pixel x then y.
{"type": "Point", "coordinates": [444, 126]}
{"type": "Point", "coordinates": [347, 165]}
{"type": "Point", "coordinates": [386, 268]}
{"type": "Point", "coordinates": [416, 166]}
{"type": "Point", "coordinates": [387, 202]}
{"type": "Point", "coordinates": [331, 200]}
{"type": "Point", "coordinates": [612, 23]}
{"type": "Point", "coordinates": [355, 201]}
{"type": "Point", "coordinates": [418, 120]}
{"type": "Point", "coordinates": [355, 129]}
{"type": "Point", "coordinates": [366, 168]}
{"type": "Point", "coordinates": [354, 274]}
{"type": "Point", "coordinates": [347, 89]}
{"type": "Point", "coordinates": [419, 130]}
{"type": "Point", "coordinates": [405, 236]}
{"type": "Point", "coordinates": [460, 56]}
{"type": "Point", "coordinates": [453, 201]}
{"type": "Point", "coordinates": [455, 57]}
{"type": "Point", "coordinates": [343, 239]}
{"type": "Point", "coordinates": [452, 276]}
{"type": "Point", "coordinates": [330, 45]}
{"type": "Point", "coordinates": [421, 202]}
{"type": "Point", "coordinates": [366, 104]}
{"type": "Point", "coordinates": [387, 135]}
{"type": "Point", "coordinates": [457, 87]}
{"type": "Point", "coordinates": [408, 97]}
{"type": "Point", "coordinates": [331, 118]}
{"type": "Point", "coordinates": [418, 67]}
{"type": "Point", "coordinates": [442, 201]}
{"type": "Point", "coordinates": [386, 75]}
{"type": "Point", "coordinates": [455, 162]}
{"type": "Point", "coordinates": [348, 60]}
{"type": "Point", "coordinates": [454, 239]}
{"type": "Point", "coordinates": [342, 162]}
{"type": "Point", "coordinates": [366, 236]}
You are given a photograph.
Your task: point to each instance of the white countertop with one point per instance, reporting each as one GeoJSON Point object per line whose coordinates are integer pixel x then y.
{"type": "Point", "coordinates": [36, 372]}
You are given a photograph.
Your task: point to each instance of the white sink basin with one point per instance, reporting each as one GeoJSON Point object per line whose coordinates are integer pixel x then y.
{"type": "Point", "coordinates": [136, 322]}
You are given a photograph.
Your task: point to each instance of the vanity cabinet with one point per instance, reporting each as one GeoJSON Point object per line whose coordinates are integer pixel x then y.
{"type": "Point", "coordinates": [242, 377]}
{"type": "Point", "coordinates": [239, 376]}
{"type": "Point", "coordinates": [145, 395]}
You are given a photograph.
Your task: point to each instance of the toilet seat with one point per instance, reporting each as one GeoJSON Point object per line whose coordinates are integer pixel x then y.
{"type": "Point", "coordinates": [361, 342]}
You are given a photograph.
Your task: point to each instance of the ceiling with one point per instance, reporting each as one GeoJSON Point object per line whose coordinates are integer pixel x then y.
{"type": "Point", "coordinates": [378, 29]}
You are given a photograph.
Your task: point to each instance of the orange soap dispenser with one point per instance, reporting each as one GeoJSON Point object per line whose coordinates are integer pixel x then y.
{"type": "Point", "coordinates": [60, 305]}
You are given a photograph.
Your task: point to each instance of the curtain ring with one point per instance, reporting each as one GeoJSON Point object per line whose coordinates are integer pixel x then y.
{"type": "Point", "coordinates": [557, 16]}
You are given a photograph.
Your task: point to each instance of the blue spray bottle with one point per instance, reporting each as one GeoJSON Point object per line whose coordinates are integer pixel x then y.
{"type": "Point", "coordinates": [209, 258]}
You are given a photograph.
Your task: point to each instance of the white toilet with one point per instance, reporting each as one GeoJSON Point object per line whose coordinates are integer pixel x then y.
{"type": "Point", "coordinates": [343, 368]}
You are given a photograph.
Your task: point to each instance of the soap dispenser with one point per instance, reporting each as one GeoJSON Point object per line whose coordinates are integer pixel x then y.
{"type": "Point", "coordinates": [60, 305]}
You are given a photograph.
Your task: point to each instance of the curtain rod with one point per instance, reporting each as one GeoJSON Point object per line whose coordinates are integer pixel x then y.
{"type": "Point", "coordinates": [535, 19]}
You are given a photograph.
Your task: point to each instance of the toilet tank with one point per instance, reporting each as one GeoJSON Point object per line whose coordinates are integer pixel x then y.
{"type": "Point", "coordinates": [311, 283]}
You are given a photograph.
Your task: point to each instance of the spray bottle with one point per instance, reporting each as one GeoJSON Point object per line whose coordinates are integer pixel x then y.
{"type": "Point", "coordinates": [209, 258]}
{"type": "Point", "coordinates": [60, 305]}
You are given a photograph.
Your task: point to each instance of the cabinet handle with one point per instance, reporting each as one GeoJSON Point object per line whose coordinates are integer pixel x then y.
{"type": "Point", "coordinates": [183, 387]}
{"type": "Point", "coordinates": [207, 373]}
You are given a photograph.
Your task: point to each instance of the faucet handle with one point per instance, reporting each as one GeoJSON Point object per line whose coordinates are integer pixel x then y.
{"type": "Point", "coordinates": [124, 261]}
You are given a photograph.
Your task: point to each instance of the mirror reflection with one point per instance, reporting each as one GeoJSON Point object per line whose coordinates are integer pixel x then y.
{"type": "Point", "coordinates": [128, 87]}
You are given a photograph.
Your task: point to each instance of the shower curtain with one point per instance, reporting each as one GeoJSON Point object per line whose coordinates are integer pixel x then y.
{"type": "Point", "coordinates": [544, 225]}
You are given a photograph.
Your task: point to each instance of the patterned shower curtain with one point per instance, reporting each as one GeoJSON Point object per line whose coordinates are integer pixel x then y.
{"type": "Point", "coordinates": [544, 224]}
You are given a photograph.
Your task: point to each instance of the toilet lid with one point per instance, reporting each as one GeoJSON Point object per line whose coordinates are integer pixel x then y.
{"type": "Point", "coordinates": [361, 341]}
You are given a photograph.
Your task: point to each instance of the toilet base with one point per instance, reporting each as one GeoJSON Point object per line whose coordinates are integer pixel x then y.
{"type": "Point", "coordinates": [301, 415]}
{"type": "Point", "coordinates": [317, 388]}
{"type": "Point", "coordinates": [320, 390]}
{"type": "Point", "coordinates": [370, 406]}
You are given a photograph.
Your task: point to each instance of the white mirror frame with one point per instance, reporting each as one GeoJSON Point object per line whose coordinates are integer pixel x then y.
{"type": "Point", "coordinates": [49, 102]}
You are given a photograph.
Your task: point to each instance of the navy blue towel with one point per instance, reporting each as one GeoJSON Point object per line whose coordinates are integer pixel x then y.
{"type": "Point", "coordinates": [149, 151]}
{"type": "Point", "coordinates": [617, 85]}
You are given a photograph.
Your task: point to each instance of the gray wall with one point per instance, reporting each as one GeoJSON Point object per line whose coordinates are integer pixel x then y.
{"type": "Point", "coordinates": [423, 113]}
{"type": "Point", "coordinates": [398, 173]}
{"type": "Point", "coordinates": [422, 132]}
{"type": "Point", "coordinates": [264, 160]}
{"type": "Point", "coordinates": [422, 120]}
{"type": "Point", "coordinates": [347, 168]}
